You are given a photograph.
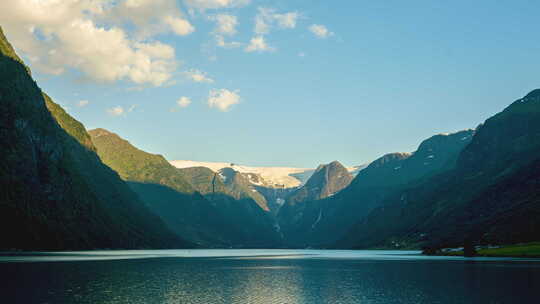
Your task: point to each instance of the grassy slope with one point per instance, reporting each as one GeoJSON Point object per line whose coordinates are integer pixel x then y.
{"type": "Point", "coordinates": [517, 250]}
{"type": "Point", "coordinates": [135, 165]}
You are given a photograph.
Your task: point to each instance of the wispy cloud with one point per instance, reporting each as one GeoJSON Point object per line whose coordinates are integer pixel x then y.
{"type": "Point", "coordinates": [267, 18]}
{"type": "Point", "coordinates": [220, 41]}
{"type": "Point", "coordinates": [198, 76]}
{"type": "Point", "coordinates": [182, 102]}
{"type": "Point", "coordinates": [320, 31]}
{"type": "Point", "coordinates": [225, 24]}
{"type": "Point", "coordinates": [82, 103]}
{"type": "Point", "coordinates": [116, 111]}
{"type": "Point", "coordinates": [203, 5]}
{"type": "Point", "coordinates": [287, 20]}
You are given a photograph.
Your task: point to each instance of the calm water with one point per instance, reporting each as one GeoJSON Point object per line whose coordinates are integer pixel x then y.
{"type": "Point", "coordinates": [265, 276]}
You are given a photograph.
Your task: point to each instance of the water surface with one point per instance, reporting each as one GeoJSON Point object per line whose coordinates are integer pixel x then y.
{"type": "Point", "coordinates": [265, 276]}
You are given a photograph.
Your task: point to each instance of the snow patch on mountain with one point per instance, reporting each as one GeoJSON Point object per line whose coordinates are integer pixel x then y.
{"type": "Point", "coordinates": [273, 176]}
{"type": "Point", "coordinates": [276, 177]}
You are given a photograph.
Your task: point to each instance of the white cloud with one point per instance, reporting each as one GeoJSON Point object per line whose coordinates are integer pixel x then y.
{"type": "Point", "coordinates": [82, 103]}
{"type": "Point", "coordinates": [106, 40]}
{"type": "Point", "coordinates": [183, 102]}
{"type": "Point", "coordinates": [198, 76]}
{"type": "Point", "coordinates": [225, 24]}
{"type": "Point", "coordinates": [223, 99]}
{"type": "Point", "coordinates": [203, 5]}
{"type": "Point", "coordinates": [149, 16]}
{"type": "Point", "coordinates": [156, 50]}
{"type": "Point", "coordinates": [180, 26]}
{"type": "Point", "coordinates": [267, 18]}
{"type": "Point", "coordinates": [116, 111]}
{"type": "Point", "coordinates": [258, 44]}
{"type": "Point", "coordinates": [131, 108]}
{"type": "Point", "coordinates": [320, 31]}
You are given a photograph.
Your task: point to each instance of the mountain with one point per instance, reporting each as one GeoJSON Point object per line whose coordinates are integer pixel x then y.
{"type": "Point", "coordinates": [326, 181]}
{"type": "Point", "coordinates": [204, 180]}
{"type": "Point", "coordinates": [136, 165]}
{"type": "Point", "coordinates": [274, 177]}
{"type": "Point", "coordinates": [272, 185]}
{"type": "Point", "coordinates": [56, 194]}
{"type": "Point", "coordinates": [323, 222]}
{"type": "Point", "coordinates": [212, 210]}
{"type": "Point", "coordinates": [240, 186]}
{"type": "Point", "coordinates": [490, 197]}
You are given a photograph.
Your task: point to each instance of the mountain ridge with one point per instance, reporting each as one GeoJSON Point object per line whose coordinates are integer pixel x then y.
{"type": "Point", "coordinates": [490, 197]}
{"type": "Point", "coordinates": [57, 194]}
{"type": "Point", "coordinates": [198, 204]}
{"type": "Point", "coordinates": [322, 222]}
{"type": "Point", "coordinates": [275, 177]}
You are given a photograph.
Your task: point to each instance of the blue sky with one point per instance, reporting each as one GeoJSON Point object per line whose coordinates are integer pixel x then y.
{"type": "Point", "coordinates": [385, 75]}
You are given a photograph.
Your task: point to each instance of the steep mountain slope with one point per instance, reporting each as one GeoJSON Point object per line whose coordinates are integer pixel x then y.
{"type": "Point", "coordinates": [327, 180]}
{"type": "Point", "coordinates": [135, 165]}
{"type": "Point", "coordinates": [491, 196]}
{"type": "Point", "coordinates": [240, 186]}
{"type": "Point", "coordinates": [322, 222]}
{"type": "Point", "coordinates": [204, 180]}
{"type": "Point", "coordinates": [56, 194]}
{"type": "Point", "coordinates": [196, 203]}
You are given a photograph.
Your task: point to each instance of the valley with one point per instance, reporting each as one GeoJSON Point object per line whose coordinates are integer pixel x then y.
{"type": "Point", "coordinates": [69, 188]}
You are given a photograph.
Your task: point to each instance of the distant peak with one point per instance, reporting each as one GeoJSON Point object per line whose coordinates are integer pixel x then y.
{"type": "Point", "coordinates": [335, 163]}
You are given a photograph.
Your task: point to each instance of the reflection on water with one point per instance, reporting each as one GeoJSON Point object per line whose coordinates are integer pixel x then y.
{"type": "Point", "coordinates": [265, 276]}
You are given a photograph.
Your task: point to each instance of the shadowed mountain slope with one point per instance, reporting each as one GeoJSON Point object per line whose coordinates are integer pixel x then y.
{"type": "Point", "coordinates": [198, 204]}
{"type": "Point", "coordinates": [491, 197]}
{"type": "Point", "coordinates": [323, 222]}
{"type": "Point", "coordinates": [56, 194]}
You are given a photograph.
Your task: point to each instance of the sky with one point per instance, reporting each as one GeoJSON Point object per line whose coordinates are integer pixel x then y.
{"type": "Point", "coordinates": [278, 83]}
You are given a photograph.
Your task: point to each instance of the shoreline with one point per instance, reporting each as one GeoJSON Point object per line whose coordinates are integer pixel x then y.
{"type": "Point", "coordinates": [522, 250]}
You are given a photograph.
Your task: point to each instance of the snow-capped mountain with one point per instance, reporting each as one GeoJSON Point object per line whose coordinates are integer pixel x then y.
{"type": "Point", "coordinates": [275, 177]}
{"type": "Point", "coordinates": [272, 177]}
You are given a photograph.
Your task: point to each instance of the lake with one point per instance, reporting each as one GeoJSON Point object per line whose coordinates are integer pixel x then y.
{"type": "Point", "coordinates": [265, 276]}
